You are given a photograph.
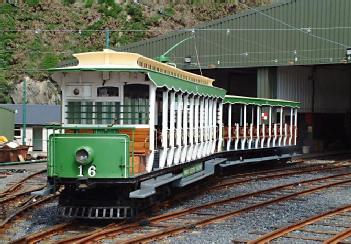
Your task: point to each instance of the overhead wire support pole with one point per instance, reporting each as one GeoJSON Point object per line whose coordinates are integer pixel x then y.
{"type": "Point", "coordinates": [107, 38]}
{"type": "Point", "coordinates": [24, 111]}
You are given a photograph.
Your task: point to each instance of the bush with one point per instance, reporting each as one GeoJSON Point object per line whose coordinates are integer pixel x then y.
{"type": "Point", "coordinates": [88, 3]}
{"type": "Point", "coordinates": [49, 61]}
{"type": "Point", "coordinates": [68, 2]}
{"type": "Point", "coordinates": [32, 3]}
{"type": "Point", "coordinates": [135, 11]}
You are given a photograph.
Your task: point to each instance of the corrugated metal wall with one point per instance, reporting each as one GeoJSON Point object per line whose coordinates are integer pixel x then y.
{"type": "Point", "coordinates": [7, 123]}
{"type": "Point", "coordinates": [263, 38]}
{"type": "Point", "coordinates": [332, 89]}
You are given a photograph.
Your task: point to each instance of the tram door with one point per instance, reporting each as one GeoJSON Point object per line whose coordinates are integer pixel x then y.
{"type": "Point", "coordinates": [37, 139]}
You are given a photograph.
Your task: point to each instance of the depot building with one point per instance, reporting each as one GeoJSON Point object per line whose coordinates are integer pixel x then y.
{"type": "Point", "coordinates": [292, 49]}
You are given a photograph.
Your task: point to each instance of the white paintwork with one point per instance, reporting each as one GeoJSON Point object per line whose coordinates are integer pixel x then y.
{"type": "Point", "coordinates": [269, 127]}
{"type": "Point", "coordinates": [214, 126]}
{"type": "Point", "coordinates": [152, 105]}
{"type": "Point", "coordinates": [291, 126]}
{"type": "Point", "coordinates": [263, 135]}
{"type": "Point", "coordinates": [251, 136]}
{"type": "Point", "coordinates": [275, 134]}
{"type": "Point", "coordinates": [243, 140]}
{"type": "Point", "coordinates": [285, 134]}
{"type": "Point", "coordinates": [258, 115]}
{"type": "Point", "coordinates": [281, 127]}
{"type": "Point", "coordinates": [201, 143]}
{"type": "Point", "coordinates": [185, 130]}
{"type": "Point", "coordinates": [163, 153]}
{"type": "Point", "coordinates": [295, 124]}
{"type": "Point", "coordinates": [171, 130]}
{"type": "Point", "coordinates": [179, 129]}
{"type": "Point", "coordinates": [196, 128]}
{"type": "Point", "coordinates": [191, 129]}
{"type": "Point", "coordinates": [237, 128]}
{"type": "Point", "coordinates": [220, 126]}
{"type": "Point", "coordinates": [229, 126]}
{"type": "Point", "coordinates": [206, 127]}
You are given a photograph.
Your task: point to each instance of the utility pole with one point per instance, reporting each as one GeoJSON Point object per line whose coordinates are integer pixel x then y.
{"type": "Point", "coordinates": [24, 111]}
{"type": "Point", "coordinates": [107, 38]}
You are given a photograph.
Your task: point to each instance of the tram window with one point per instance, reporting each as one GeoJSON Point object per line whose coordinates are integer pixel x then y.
{"type": "Point", "coordinates": [136, 104]}
{"type": "Point", "coordinates": [108, 91]}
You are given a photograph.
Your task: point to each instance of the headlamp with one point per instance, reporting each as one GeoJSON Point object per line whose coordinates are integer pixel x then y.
{"type": "Point", "coordinates": [84, 155]}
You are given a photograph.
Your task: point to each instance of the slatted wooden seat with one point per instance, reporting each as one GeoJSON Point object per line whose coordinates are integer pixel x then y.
{"type": "Point", "coordinates": [140, 147]}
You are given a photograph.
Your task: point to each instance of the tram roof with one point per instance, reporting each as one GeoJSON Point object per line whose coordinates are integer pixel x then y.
{"type": "Point", "coordinates": [162, 75]}
{"type": "Point", "coordinates": [229, 99]}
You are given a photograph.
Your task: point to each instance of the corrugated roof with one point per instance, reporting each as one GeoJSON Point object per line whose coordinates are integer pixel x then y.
{"type": "Point", "coordinates": [290, 32]}
{"type": "Point", "coordinates": [37, 114]}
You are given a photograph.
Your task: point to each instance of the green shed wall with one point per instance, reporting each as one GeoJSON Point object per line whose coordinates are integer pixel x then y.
{"type": "Point", "coordinates": [7, 123]}
{"type": "Point", "coordinates": [253, 39]}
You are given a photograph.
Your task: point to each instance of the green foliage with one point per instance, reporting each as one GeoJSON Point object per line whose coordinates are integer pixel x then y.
{"type": "Point", "coordinates": [88, 3]}
{"type": "Point", "coordinates": [32, 3]}
{"type": "Point", "coordinates": [111, 11]}
{"type": "Point", "coordinates": [68, 2]}
{"type": "Point", "coordinates": [169, 11]}
{"type": "Point", "coordinates": [49, 61]}
{"type": "Point", "coordinates": [135, 11]}
{"type": "Point", "coordinates": [5, 88]}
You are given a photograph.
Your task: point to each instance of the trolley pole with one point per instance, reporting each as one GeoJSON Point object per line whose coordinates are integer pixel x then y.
{"type": "Point", "coordinates": [24, 112]}
{"type": "Point", "coordinates": [107, 38]}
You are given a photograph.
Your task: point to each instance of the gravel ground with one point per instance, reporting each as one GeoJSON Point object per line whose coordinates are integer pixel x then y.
{"type": "Point", "coordinates": [244, 227]}
{"type": "Point", "coordinates": [253, 224]}
{"type": "Point", "coordinates": [18, 172]}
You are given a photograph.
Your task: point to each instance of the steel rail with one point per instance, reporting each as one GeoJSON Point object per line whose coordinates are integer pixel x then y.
{"type": "Point", "coordinates": [19, 183]}
{"type": "Point", "coordinates": [339, 237]}
{"type": "Point", "coordinates": [26, 207]}
{"type": "Point", "coordinates": [42, 234]}
{"type": "Point", "coordinates": [287, 229]}
{"type": "Point", "coordinates": [14, 196]}
{"type": "Point", "coordinates": [184, 212]}
{"type": "Point", "coordinates": [271, 176]}
{"type": "Point", "coordinates": [181, 228]}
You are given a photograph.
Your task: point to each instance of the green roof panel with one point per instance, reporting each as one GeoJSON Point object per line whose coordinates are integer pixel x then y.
{"type": "Point", "coordinates": [260, 101]}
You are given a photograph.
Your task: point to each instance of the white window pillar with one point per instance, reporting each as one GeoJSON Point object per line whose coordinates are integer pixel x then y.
{"type": "Point", "coordinates": [152, 99]}
{"type": "Point", "coordinates": [185, 129]}
{"type": "Point", "coordinates": [171, 129]}
{"type": "Point", "coordinates": [196, 127]}
{"type": "Point", "coordinates": [243, 141]}
{"type": "Point", "coordinates": [179, 128]}
{"type": "Point", "coordinates": [214, 126]}
{"type": "Point", "coordinates": [281, 127]}
{"type": "Point", "coordinates": [220, 125]}
{"type": "Point", "coordinates": [229, 126]}
{"type": "Point", "coordinates": [258, 115]}
{"type": "Point", "coordinates": [202, 122]}
{"type": "Point", "coordinates": [208, 122]}
{"type": "Point", "coordinates": [269, 127]}
{"type": "Point", "coordinates": [163, 154]}
{"type": "Point", "coordinates": [295, 128]}
{"type": "Point", "coordinates": [291, 126]}
{"type": "Point", "coordinates": [191, 128]}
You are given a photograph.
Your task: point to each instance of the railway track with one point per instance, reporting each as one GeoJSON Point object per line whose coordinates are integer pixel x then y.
{"type": "Point", "coordinates": [67, 228]}
{"type": "Point", "coordinates": [320, 225]}
{"type": "Point", "coordinates": [153, 228]}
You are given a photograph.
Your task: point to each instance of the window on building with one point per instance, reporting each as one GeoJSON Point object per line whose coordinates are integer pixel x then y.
{"type": "Point", "coordinates": [18, 131]}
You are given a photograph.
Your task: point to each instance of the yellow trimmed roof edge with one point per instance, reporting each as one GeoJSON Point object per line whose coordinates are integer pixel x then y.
{"type": "Point", "coordinates": [112, 59]}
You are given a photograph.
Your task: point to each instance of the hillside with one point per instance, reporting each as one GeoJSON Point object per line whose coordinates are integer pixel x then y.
{"type": "Point", "coordinates": [39, 35]}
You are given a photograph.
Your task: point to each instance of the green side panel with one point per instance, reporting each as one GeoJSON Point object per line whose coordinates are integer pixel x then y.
{"type": "Point", "coordinates": [260, 101]}
{"type": "Point", "coordinates": [176, 84]}
{"type": "Point", "coordinates": [111, 155]}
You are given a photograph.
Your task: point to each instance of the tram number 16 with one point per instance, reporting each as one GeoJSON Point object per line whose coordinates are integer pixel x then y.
{"type": "Point", "coordinates": [91, 171]}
